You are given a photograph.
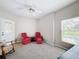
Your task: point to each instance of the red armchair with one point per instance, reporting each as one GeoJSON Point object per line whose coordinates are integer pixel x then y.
{"type": "Point", "coordinates": [38, 38]}
{"type": "Point", "coordinates": [25, 38]}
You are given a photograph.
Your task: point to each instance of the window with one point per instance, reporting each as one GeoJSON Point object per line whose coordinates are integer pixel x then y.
{"type": "Point", "coordinates": [70, 30]}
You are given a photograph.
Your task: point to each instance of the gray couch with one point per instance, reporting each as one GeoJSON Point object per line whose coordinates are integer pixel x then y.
{"type": "Point", "coordinates": [72, 53]}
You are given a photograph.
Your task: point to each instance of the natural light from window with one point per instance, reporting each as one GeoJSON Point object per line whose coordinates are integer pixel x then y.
{"type": "Point", "coordinates": [70, 30]}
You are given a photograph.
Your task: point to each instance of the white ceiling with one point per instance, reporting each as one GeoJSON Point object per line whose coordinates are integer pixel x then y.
{"type": "Point", "coordinates": [41, 7]}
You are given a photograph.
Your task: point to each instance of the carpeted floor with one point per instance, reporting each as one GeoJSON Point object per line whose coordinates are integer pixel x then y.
{"type": "Point", "coordinates": [36, 51]}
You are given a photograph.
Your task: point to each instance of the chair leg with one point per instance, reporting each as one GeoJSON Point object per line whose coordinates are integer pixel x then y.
{"type": "Point", "coordinates": [3, 52]}
{"type": "Point", "coordinates": [13, 46]}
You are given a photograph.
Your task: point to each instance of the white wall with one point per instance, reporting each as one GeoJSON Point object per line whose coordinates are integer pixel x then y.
{"type": "Point", "coordinates": [63, 14]}
{"type": "Point", "coordinates": [56, 18]}
{"type": "Point", "coordinates": [22, 24]}
{"type": "Point", "coordinates": [25, 25]}
{"type": "Point", "coordinates": [4, 14]}
{"type": "Point", "coordinates": [45, 26]}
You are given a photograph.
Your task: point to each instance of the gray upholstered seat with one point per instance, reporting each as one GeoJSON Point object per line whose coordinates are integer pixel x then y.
{"type": "Point", "coordinates": [72, 53]}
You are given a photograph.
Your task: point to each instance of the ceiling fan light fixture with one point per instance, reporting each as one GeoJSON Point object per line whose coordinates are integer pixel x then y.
{"type": "Point", "coordinates": [31, 10]}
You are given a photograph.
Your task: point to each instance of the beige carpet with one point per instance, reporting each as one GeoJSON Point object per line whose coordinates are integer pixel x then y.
{"type": "Point", "coordinates": [36, 51]}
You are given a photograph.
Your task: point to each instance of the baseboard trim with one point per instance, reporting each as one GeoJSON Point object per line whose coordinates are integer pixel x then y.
{"type": "Point", "coordinates": [56, 45]}
{"type": "Point", "coordinates": [59, 46]}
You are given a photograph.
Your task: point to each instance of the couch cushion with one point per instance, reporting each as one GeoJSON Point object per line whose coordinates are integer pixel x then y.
{"type": "Point", "coordinates": [72, 53]}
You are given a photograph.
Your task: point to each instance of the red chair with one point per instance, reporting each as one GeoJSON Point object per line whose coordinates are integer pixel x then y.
{"type": "Point", "coordinates": [25, 38]}
{"type": "Point", "coordinates": [38, 38]}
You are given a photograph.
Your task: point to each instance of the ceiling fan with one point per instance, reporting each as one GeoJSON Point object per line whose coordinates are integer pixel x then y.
{"type": "Point", "coordinates": [29, 7]}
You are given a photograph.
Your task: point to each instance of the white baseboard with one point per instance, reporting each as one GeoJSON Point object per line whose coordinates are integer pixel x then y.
{"type": "Point", "coordinates": [56, 45]}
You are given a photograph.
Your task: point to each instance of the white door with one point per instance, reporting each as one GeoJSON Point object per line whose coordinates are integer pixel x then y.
{"type": "Point", "coordinates": [7, 30]}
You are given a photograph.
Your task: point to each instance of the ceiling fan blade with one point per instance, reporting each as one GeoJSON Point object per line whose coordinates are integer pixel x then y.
{"type": "Point", "coordinates": [22, 4]}
{"type": "Point", "coordinates": [26, 6]}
